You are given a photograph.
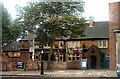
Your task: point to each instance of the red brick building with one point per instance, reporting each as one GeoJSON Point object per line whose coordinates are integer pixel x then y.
{"type": "Point", "coordinates": [114, 28]}
{"type": "Point", "coordinates": [93, 47]}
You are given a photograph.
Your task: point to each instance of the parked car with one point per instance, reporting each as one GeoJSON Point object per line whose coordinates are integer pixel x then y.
{"type": "Point", "coordinates": [118, 70]}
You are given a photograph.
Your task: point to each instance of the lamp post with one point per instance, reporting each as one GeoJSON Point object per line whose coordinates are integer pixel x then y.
{"type": "Point", "coordinates": [42, 68]}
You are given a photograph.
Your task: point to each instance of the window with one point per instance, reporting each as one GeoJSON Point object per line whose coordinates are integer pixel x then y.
{"type": "Point", "coordinates": [73, 57]}
{"type": "Point", "coordinates": [77, 56]}
{"type": "Point", "coordinates": [61, 57]}
{"type": "Point", "coordinates": [48, 45]}
{"type": "Point", "coordinates": [104, 44]}
{"type": "Point", "coordinates": [70, 55]}
{"type": "Point", "coordinates": [37, 56]}
{"type": "Point", "coordinates": [69, 44]}
{"type": "Point", "coordinates": [100, 44]}
{"type": "Point", "coordinates": [60, 44]}
{"type": "Point", "coordinates": [78, 44]}
{"type": "Point", "coordinates": [30, 55]}
{"type": "Point", "coordinates": [73, 44]}
{"type": "Point", "coordinates": [45, 45]}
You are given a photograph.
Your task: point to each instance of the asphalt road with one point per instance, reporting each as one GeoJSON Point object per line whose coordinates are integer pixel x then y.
{"type": "Point", "coordinates": [16, 77]}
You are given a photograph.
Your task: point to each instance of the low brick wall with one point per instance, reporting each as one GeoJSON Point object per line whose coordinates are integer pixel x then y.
{"type": "Point", "coordinates": [57, 65]}
{"type": "Point", "coordinates": [8, 66]}
{"type": "Point", "coordinates": [35, 65]}
{"type": "Point", "coordinates": [73, 65]}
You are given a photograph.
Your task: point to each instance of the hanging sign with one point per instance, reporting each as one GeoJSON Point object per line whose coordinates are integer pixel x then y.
{"type": "Point", "coordinates": [31, 49]}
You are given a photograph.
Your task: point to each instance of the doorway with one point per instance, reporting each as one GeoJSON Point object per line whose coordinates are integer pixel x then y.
{"type": "Point", "coordinates": [93, 62]}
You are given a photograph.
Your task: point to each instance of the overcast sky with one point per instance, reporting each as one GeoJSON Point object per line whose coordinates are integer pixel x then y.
{"type": "Point", "coordinates": [99, 9]}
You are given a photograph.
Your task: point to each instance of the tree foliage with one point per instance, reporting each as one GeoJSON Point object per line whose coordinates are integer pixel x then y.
{"type": "Point", "coordinates": [31, 15]}
{"type": "Point", "coordinates": [10, 30]}
{"type": "Point", "coordinates": [60, 21]}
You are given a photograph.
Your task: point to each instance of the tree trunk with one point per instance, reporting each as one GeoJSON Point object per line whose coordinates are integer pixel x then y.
{"type": "Point", "coordinates": [49, 57]}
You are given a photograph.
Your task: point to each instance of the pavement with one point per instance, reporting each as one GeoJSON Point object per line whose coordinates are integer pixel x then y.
{"type": "Point", "coordinates": [64, 73]}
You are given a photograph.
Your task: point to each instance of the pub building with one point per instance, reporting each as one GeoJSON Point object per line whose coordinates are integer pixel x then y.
{"type": "Point", "coordinates": [67, 53]}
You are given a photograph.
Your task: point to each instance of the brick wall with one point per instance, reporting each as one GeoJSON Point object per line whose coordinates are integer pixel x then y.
{"type": "Point", "coordinates": [26, 45]}
{"type": "Point", "coordinates": [9, 66]}
{"type": "Point", "coordinates": [73, 65]}
{"type": "Point", "coordinates": [35, 65]}
{"type": "Point", "coordinates": [114, 22]}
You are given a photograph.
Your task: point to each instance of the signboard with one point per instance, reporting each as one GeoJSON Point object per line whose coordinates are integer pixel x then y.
{"type": "Point", "coordinates": [14, 54]}
{"type": "Point", "coordinates": [71, 50]}
{"type": "Point", "coordinates": [83, 64]}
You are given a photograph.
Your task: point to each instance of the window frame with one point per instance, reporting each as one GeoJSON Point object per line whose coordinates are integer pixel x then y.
{"type": "Point", "coordinates": [74, 43]}
{"type": "Point", "coordinates": [70, 56]}
{"type": "Point", "coordinates": [60, 55]}
{"type": "Point", "coordinates": [60, 44]}
{"type": "Point", "coordinates": [69, 44]}
{"type": "Point", "coordinates": [101, 44]}
{"type": "Point", "coordinates": [106, 44]}
{"type": "Point", "coordinates": [77, 43]}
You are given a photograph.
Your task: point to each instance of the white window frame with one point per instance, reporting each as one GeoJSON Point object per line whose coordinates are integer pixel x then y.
{"type": "Point", "coordinates": [60, 43]}
{"type": "Point", "coordinates": [77, 43]}
{"type": "Point", "coordinates": [73, 56]}
{"type": "Point", "coordinates": [102, 41]}
{"type": "Point", "coordinates": [69, 45]}
{"type": "Point", "coordinates": [101, 44]}
{"type": "Point", "coordinates": [60, 56]}
{"type": "Point", "coordinates": [73, 42]}
{"type": "Point", "coordinates": [106, 44]}
{"type": "Point", "coordinates": [70, 57]}
{"type": "Point", "coordinates": [77, 56]}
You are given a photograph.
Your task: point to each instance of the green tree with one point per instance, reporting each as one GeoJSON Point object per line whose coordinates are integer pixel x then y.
{"type": "Point", "coordinates": [60, 20]}
{"type": "Point", "coordinates": [31, 14]}
{"type": "Point", "coordinates": [10, 30]}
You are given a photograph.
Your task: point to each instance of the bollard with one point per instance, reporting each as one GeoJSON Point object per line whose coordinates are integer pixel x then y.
{"type": "Point", "coordinates": [42, 72]}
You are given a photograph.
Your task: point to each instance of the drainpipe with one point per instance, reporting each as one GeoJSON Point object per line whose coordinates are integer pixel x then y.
{"type": "Point", "coordinates": [33, 55]}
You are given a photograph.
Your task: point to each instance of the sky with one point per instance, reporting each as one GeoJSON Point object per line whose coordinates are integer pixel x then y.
{"type": "Point", "coordinates": [99, 9]}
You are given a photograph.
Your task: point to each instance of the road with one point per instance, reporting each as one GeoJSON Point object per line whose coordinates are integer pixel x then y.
{"type": "Point", "coordinates": [15, 77]}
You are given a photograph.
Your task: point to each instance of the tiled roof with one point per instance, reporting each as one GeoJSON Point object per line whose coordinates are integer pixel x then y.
{"type": "Point", "coordinates": [13, 46]}
{"type": "Point", "coordinates": [99, 30]}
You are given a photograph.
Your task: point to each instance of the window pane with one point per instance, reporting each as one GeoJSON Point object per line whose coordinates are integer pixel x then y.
{"type": "Point", "coordinates": [60, 58]}
{"type": "Point", "coordinates": [61, 44]}
{"type": "Point", "coordinates": [78, 44]}
{"type": "Point", "coordinates": [36, 57]}
{"type": "Point", "coordinates": [73, 58]}
{"type": "Point", "coordinates": [77, 58]}
{"type": "Point", "coordinates": [69, 43]}
{"type": "Point", "coordinates": [30, 57]}
{"type": "Point", "coordinates": [100, 43]}
{"type": "Point", "coordinates": [105, 43]}
{"type": "Point", "coordinates": [69, 58]}
{"type": "Point", "coordinates": [73, 43]}
{"type": "Point", "coordinates": [77, 54]}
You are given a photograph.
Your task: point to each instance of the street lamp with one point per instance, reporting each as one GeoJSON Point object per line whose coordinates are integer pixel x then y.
{"type": "Point", "coordinates": [42, 68]}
